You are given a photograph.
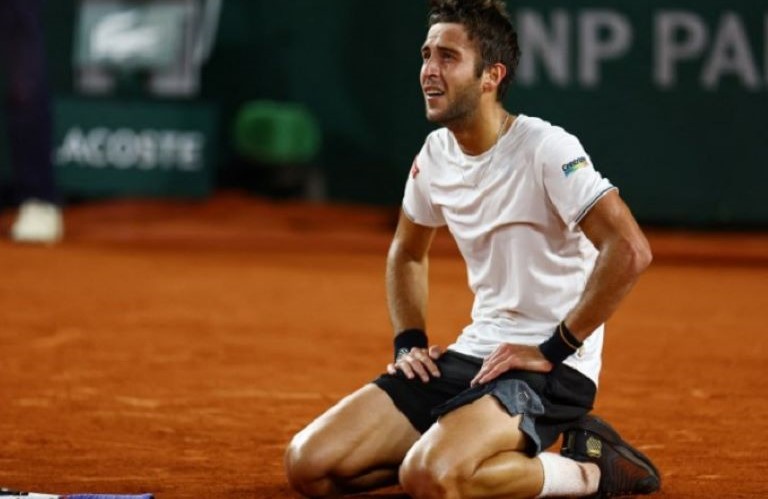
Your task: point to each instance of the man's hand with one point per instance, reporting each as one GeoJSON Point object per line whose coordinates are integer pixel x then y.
{"type": "Point", "coordinates": [507, 357]}
{"type": "Point", "coordinates": [418, 362]}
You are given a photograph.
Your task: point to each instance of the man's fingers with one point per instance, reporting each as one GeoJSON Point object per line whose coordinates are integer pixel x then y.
{"type": "Point", "coordinates": [490, 375]}
{"type": "Point", "coordinates": [479, 375]}
{"type": "Point", "coordinates": [418, 362]}
{"type": "Point", "coordinates": [425, 358]}
{"type": "Point", "coordinates": [432, 367]}
{"type": "Point", "coordinates": [491, 369]}
{"type": "Point", "coordinates": [406, 368]}
{"type": "Point", "coordinates": [418, 368]}
{"type": "Point", "coordinates": [411, 366]}
{"type": "Point", "coordinates": [507, 357]}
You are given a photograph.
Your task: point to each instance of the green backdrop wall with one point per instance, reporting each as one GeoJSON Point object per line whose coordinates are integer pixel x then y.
{"type": "Point", "coordinates": [669, 97]}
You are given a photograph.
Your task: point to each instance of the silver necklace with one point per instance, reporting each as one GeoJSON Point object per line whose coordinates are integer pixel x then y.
{"type": "Point", "coordinates": [486, 165]}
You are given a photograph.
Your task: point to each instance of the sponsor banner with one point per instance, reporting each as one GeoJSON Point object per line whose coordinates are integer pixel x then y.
{"type": "Point", "coordinates": [668, 98]}
{"type": "Point", "coordinates": [666, 47]}
{"type": "Point", "coordinates": [107, 148]}
{"type": "Point", "coordinates": [126, 35]}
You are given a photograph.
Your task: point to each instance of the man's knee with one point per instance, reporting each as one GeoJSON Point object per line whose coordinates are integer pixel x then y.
{"type": "Point", "coordinates": [307, 469]}
{"type": "Point", "coordinates": [425, 475]}
{"type": "Point", "coordinates": [431, 471]}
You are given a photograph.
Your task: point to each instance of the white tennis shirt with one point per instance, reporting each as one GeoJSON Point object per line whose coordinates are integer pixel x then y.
{"type": "Point", "coordinates": [514, 213]}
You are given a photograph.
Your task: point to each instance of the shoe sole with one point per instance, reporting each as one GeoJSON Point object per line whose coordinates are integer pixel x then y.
{"type": "Point", "coordinates": [606, 432]}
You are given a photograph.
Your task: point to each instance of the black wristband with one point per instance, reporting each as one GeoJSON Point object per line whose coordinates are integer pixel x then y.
{"type": "Point", "coordinates": [560, 345]}
{"type": "Point", "coordinates": [409, 338]}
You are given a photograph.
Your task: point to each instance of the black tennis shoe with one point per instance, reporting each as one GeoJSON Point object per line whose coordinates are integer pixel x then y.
{"type": "Point", "coordinates": [624, 470]}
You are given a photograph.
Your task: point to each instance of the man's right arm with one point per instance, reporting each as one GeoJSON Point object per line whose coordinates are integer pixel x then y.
{"type": "Point", "coordinates": [407, 292]}
{"type": "Point", "coordinates": [407, 268]}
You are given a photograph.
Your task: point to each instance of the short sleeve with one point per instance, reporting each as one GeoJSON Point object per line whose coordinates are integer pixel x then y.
{"type": "Point", "coordinates": [570, 179]}
{"type": "Point", "coordinates": [417, 202]}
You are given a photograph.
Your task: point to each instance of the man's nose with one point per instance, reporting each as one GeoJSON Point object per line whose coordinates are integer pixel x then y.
{"type": "Point", "coordinates": [429, 67]}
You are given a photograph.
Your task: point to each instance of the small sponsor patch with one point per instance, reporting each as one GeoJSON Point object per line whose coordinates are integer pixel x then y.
{"type": "Point", "coordinates": [574, 165]}
{"type": "Point", "coordinates": [594, 447]}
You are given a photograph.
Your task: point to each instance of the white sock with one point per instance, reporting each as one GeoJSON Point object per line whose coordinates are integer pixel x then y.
{"type": "Point", "coordinates": [566, 477]}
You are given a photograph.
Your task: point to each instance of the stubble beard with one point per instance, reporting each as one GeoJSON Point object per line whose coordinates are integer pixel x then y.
{"type": "Point", "coordinates": [464, 105]}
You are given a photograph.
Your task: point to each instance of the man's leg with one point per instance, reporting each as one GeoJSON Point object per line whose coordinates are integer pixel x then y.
{"type": "Point", "coordinates": [28, 104]}
{"type": "Point", "coordinates": [29, 100]}
{"type": "Point", "coordinates": [477, 450]}
{"type": "Point", "coordinates": [358, 444]}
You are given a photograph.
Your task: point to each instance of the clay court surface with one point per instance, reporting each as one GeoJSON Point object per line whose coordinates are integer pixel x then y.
{"type": "Point", "coordinates": [175, 347]}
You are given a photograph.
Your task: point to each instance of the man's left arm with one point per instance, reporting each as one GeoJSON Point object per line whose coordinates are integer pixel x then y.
{"type": "Point", "coordinates": [624, 253]}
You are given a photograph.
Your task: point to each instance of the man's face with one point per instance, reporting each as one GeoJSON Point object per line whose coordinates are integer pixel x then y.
{"type": "Point", "coordinates": [449, 80]}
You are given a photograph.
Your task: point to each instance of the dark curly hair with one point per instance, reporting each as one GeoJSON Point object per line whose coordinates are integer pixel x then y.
{"type": "Point", "coordinates": [488, 24]}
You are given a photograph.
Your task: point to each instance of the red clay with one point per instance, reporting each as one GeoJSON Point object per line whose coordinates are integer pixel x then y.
{"type": "Point", "coordinates": [175, 347]}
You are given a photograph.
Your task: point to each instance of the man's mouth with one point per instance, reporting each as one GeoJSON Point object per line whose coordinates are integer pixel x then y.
{"type": "Point", "coordinates": [433, 92]}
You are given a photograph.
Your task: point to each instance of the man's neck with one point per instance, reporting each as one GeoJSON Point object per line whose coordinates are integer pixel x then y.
{"type": "Point", "coordinates": [480, 132]}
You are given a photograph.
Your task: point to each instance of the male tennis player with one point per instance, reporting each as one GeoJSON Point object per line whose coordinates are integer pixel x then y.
{"type": "Point", "coordinates": [550, 250]}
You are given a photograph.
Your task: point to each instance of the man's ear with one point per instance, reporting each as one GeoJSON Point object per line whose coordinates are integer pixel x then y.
{"type": "Point", "coordinates": [492, 76]}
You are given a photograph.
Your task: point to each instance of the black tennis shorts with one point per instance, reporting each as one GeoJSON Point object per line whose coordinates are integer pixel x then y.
{"type": "Point", "coordinates": [547, 402]}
